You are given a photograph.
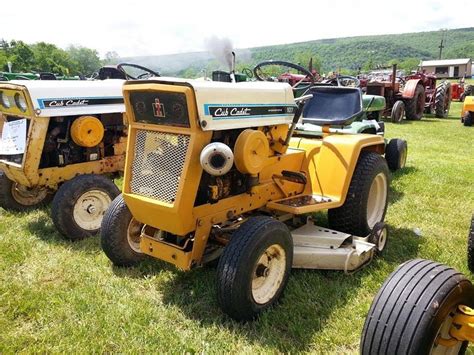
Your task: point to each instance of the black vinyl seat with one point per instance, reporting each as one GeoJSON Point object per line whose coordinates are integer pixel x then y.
{"type": "Point", "coordinates": [47, 76]}
{"type": "Point", "coordinates": [332, 105]}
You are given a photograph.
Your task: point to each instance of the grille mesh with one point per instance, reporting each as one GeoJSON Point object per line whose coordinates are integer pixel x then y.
{"type": "Point", "coordinates": [158, 164]}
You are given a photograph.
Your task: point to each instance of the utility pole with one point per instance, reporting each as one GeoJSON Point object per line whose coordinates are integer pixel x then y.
{"type": "Point", "coordinates": [443, 41]}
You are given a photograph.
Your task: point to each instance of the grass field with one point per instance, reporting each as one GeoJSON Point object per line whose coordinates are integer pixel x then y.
{"type": "Point", "coordinates": [58, 296]}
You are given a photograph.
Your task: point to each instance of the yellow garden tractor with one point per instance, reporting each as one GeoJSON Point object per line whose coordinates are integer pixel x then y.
{"type": "Point", "coordinates": [65, 141]}
{"type": "Point", "coordinates": [213, 172]}
{"type": "Point", "coordinates": [467, 115]}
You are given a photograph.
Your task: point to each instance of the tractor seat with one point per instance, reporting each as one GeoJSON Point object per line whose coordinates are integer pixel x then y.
{"type": "Point", "coordinates": [47, 76]}
{"type": "Point", "coordinates": [332, 105]}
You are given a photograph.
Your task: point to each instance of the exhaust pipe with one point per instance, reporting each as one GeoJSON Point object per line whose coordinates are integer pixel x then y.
{"type": "Point", "coordinates": [232, 69]}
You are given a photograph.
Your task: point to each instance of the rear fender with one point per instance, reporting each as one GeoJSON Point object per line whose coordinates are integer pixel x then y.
{"type": "Point", "coordinates": [410, 87]}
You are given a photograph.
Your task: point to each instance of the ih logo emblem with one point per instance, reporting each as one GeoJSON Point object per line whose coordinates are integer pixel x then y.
{"type": "Point", "coordinates": [158, 109]}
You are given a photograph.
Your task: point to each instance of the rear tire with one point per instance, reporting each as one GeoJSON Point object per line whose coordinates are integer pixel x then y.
{"type": "Point", "coordinates": [407, 314]}
{"type": "Point", "coordinates": [415, 107]}
{"type": "Point", "coordinates": [443, 100]}
{"type": "Point", "coordinates": [470, 246]}
{"type": "Point", "coordinates": [120, 235]}
{"type": "Point", "coordinates": [254, 268]}
{"type": "Point", "coordinates": [80, 204]}
{"type": "Point", "coordinates": [398, 111]}
{"type": "Point", "coordinates": [396, 153]}
{"type": "Point", "coordinates": [15, 197]}
{"type": "Point", "coordinates": [367, 198]}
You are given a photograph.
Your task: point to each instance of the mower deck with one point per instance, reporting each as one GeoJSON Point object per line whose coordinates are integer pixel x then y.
{"type": "Point", "coordinates": [317, 247]}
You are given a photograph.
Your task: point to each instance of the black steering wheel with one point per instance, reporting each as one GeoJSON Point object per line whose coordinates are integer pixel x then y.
{"type": "Point", "coordinates": [148, 72]}
{"type": "Point", "coordinates": [260, 75]}
{"type": "Point", "coordinates": [248, 73]}
{"type": "Point", "coordinates": [343, 80]}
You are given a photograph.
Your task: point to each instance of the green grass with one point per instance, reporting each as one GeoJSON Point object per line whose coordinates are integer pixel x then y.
{"type": "Point", "coordinates": [58, 296]}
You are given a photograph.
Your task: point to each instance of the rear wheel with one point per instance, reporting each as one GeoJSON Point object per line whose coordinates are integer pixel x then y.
{"type": "Point", "coordinates": [120, 235]}
{"type": "Point", "coordinates": [414, 308]}
{"type": "Point", "coordinates": [443, 100]}
{"type": "Point", "coordinates": [80, 204]}
{"type": "Point", "coordinates": [416, 105]}
{"type": "Point", "coordinates": [16, 197]}
{"type": "Point", "coordinates": [254, 268]}
{"type": "Point", "coordinates": [398, 111]}
{"type": "Point", "coordinates": [470, 246]}
{"type": "Point", "coordinates": [367, 198]}
{"type": "Point", "coordinates": [396, 153]}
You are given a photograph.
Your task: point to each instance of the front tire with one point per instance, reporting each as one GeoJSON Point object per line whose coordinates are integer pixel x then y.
{"type": "Point", "coordinates": [470, 246]}
{"type": "Point", "coordinates": [396, 153]}
{"type": "Point", "coordinates": [254, 268]}
{"type": "Point", "coordinates": [80, 204]}
{"type": "Point", "coordinates": [367, 197]}
{"type": "Point", "coordinates": [468, 119]}
{"type": "Point", "coordinates": [398, 111]}
{"type": "Point", "coordinates": [120, 235]}
{"type": "Point", "coordinates": [16, 197]}
{"type": "Point", "coordinates": [413, 308]}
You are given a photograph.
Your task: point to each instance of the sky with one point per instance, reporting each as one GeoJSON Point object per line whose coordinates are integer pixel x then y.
{"type": "Point", "coordinates": [135, 28]}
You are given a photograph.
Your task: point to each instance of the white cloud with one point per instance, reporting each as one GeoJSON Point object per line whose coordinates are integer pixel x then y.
{"type": "Point", "coordinates": [161, 27]}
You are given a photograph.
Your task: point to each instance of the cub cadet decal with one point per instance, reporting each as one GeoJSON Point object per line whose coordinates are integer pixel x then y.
{"type": "Point", "coordinates": [231, 111]}
{"type": "Point", "coordinates": [78, 101]}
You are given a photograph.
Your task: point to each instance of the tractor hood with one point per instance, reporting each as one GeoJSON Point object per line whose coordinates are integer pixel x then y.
{"type": "Point", "coordinates": [223, 105]}
{"type": "Point", "coordinates": [67, 98]}
{"type": "Point", "coordinates": [373, 103]}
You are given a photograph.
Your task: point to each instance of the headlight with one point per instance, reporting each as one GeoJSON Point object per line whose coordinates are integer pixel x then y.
{"type": "Point", "coordinates": [20, 102]}
{"type": "Point", "coordinates": [4, 100]}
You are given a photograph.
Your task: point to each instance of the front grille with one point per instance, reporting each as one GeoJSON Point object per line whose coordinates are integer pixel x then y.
{"type": "Point", "coordinates": [158, 164]}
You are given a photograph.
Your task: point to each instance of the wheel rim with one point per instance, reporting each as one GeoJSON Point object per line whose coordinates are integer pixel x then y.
{"type": "Point", "coordinates": [403, 158]}
{"type": "Point", "coordinates": [443, 333]}
{"type": "Point", "coordinates": [89, 209]}
{"type": "Point", "coordinates": [382, 239]}
{"type": "Point", "coordinates": [377, 199]}
{"type": "Point", "coordinates": [268, 274]}
{"type": "Point", "coordinates": [28, 196]}
{"type": "Point", "coordinates": [134, 231]}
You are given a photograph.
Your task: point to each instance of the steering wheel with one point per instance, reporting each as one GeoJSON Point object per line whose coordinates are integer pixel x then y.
{"type": "Point", "coordinates": [343, 80]}
{"type": "Point", "coordinates": [148, 72]}
{"type": "Point", "coordinates": [262, 77]}
{"type": "Point", "coordinates": [248, 73]}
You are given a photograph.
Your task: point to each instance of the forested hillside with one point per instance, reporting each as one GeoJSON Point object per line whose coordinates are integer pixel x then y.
{"type": "Point", "coordinates": [346, 54]}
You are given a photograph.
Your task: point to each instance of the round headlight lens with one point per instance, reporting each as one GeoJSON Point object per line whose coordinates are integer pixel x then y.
{"type": "Point", "coordinates": [4, 100]}
{"type": "Point", "coordinates": [20, 102]}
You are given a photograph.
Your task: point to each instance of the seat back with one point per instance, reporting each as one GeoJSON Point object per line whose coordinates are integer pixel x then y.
{"type": "Point", "coordinates": [47, 76]}
{"type": "Point", "coordinates": [332, 105]}
{"type": "Point", "coordinates": [111, 72]}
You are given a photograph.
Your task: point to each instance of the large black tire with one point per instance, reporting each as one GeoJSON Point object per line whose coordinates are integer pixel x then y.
{"type": "Point", "coordinates": [80, 204]}
{"type": "Point", "coordinates": [242, 279]}
{"type": "Point", "coordinates": [406, 314]}
{"type": "Point", "coordinates": [468, 119]}
{"type": "Point", "coordinates": [396, 153]}
{"type": "Point", "coordinates": [120, 235]}
{"type": "Point", "coordinates": [415, 107]}
{"type": "Point", "coordinates": [398, 111]}
{"type": "Point", "coordinates": [443, 99]}
{"type": "Point", "coordinates": [353, 216]}
{"type": "Point", "coordinates": [14, 197]}
{"type": "Point", "coordinates": [468, 91]}
{"type": "Point", "coordinates": [470, 246]}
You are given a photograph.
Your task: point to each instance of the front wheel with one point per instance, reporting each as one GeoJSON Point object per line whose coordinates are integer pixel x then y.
{"type": "Point", "coordinates": [80, 204]}
{"type": "Point", "coordinates": [396, 153]}
{"type": "Point", "coordinates": [16, 197]}
{"type": "Point", "coordinates": [367, 198]}
{"type": "Point", "coordinates": [415, 106]}
{"type": "Point", "coordinates": [413, 311]}
{"type": "Point", "coordinates": [120, 235]}
{"type": "Point", "coordinates": [468, 119]}
{"type": "Point", "coordinates": [443, 100]}
{"type": "Point", "coordinates": [254, 268]}
{"type": "Point", "coordinates": [398, 111]}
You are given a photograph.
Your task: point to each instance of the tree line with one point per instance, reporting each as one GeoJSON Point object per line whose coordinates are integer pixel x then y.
{"type": "Point", "coordinates": [47, 57]}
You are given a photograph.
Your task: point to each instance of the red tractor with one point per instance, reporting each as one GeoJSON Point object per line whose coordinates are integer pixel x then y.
{"type": "Point", "coordinates": [412, 95]}
{"type": "Point", "coordinates": [459, 91]}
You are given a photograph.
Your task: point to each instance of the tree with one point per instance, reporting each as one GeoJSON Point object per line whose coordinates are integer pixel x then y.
{"type": "Point", "coordinates": [111, 58]}
{"type": "Point", "coordinates": [86, 60]}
